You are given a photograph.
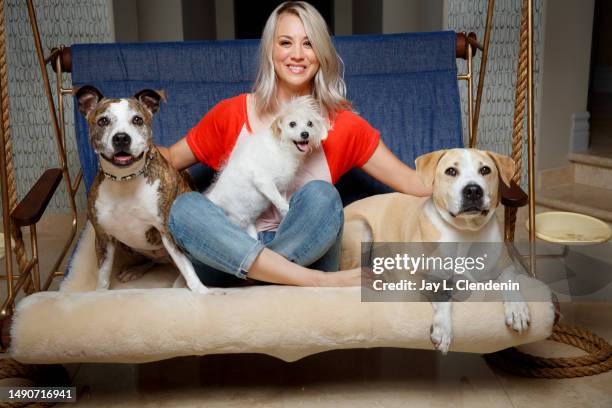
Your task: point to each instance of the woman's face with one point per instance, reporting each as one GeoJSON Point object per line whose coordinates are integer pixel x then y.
{"type": "Point", "coordinates": [295, 62]}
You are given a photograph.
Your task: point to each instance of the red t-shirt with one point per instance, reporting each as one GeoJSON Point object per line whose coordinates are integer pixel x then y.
{"type": "Point", "coordinates": [350, 143]}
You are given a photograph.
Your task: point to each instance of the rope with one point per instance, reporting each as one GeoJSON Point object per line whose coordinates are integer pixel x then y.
{"type": "Point", "coordinates": [520, 99]}
{"type": "Point", "coordinates": [598, 360]}
{"type": "Point", "coordinates": [599, 357]}
{"type": "Point", "coordinates": [20, 252]}
{"type": "Point", "coordinates": [41, 375]}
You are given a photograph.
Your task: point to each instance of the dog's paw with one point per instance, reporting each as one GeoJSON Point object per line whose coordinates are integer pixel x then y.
{"type": "Point", "coordinates": [441, 336]}
{"type": "Point", "coordinates": [203, 290]}
{"type": "Point", "coordinates": [102, 285]}
{"type": "Point", "coordinates": [127, 275]}
{"type": "Point", "coordinates": [283, 209]}
{"type": "Point", "coordinates": [210, 292]}
{"type": "Point", "coordinates": [252, 231]}
{"type": "Point", "coordinates": [179, 282]}
{"type": "Point", "coordinates": [517, 316]}
{"type": "Point", "coordinates": [130, 273]}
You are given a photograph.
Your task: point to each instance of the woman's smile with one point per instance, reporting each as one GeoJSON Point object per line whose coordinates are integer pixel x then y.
{"type": "Point", "coordinates": [297, 69]}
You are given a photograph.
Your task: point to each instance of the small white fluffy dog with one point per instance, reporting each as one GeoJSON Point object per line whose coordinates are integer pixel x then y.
{"type": "Point", "coordinates": [262, 167]}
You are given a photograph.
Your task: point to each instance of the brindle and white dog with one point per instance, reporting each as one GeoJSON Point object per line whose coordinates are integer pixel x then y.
{"type": "Point", "coordinates": [130, 199]}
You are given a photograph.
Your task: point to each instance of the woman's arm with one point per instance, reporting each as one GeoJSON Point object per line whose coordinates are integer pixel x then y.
{"type": "Point", "coordinates": [179, 155]}
{"type": "Point", "coordinates": [388, 169]}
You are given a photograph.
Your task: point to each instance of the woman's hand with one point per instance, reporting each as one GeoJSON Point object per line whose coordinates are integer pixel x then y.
{"type": "Point", "coordinates": [388, 169]}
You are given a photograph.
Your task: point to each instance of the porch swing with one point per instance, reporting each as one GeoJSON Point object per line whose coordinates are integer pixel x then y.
{"type": "Point", "coordinates": [146, 320]}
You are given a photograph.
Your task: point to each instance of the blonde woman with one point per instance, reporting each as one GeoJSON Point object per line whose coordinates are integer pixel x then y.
{"type": "Point", "coordinates": [296, 58]}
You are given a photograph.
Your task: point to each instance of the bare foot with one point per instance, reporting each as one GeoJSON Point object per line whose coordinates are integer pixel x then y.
{"type": "Point", "coordinates": [349, 277]}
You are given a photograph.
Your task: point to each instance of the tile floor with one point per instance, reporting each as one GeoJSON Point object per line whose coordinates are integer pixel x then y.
{"type": "Point", "coordinates": [355, 378]}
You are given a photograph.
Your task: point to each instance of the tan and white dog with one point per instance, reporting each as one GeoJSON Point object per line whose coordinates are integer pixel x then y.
{"type": "Point", "coordinates": [461, 209]}
{"type": "Point", "coordinates": [129, 201]}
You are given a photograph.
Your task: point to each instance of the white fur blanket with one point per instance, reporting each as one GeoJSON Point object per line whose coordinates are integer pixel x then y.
{"type": "Point", "coordinates": [146, 320]}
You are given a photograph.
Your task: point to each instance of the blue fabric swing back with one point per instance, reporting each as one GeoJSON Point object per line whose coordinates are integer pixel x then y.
{"type": "Point", "coordinates": [405, 85]}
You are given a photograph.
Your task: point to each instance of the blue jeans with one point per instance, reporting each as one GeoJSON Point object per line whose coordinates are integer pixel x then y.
{"type": "Point", "coordinates": [222, 253]}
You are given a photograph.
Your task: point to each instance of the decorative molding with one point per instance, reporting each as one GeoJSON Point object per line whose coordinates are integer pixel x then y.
{"type": "Point", "coordinates": [579, 138]}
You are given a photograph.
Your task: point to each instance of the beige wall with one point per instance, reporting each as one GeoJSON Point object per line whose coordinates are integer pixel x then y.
{"type": "Point", "coordinates": [148, 20]}
{"type": "Point", "coordinates": [172, 20]}
{"type": "Point", "coordinates": [343, 17]}
{"type": "Point", "coordinates": [225, 19]}
{"type": "Point", "coordinates": [564, 76]}
{"type": "Point", "coordinates": [125, 20]}
{"type": "Point", "coordinates": [160, 20]}
{"type": "Point", "coordinates": [163, 20]}
{"type": "Point", "coordinates": [412, 15]}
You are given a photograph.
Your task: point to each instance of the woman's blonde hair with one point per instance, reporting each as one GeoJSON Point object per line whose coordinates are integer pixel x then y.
{"type": "Point", "coordinates": [328, 89]}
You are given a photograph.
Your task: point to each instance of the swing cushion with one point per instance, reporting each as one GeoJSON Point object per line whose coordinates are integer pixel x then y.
{"type": "Point", "coordinates": [146, 320]}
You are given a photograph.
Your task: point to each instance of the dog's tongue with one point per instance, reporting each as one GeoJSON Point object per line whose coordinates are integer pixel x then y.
{"type": "Point", "coordinates": [301, 146]}
{"type": "Point", "coordinates": [122, 159]}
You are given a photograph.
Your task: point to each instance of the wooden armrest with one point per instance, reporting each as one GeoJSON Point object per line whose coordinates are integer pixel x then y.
{"type": "Point", "coordinates": [31, 208]}
{"type": "Point", "coordinates": [513, 195]}
{"type": "Point", "coordinates": [5, 332]}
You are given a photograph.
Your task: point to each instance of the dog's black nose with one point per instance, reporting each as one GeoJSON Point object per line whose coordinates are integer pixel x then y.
{"type": "Point", "coordinates": [304, 135]}
{"type": "Point", "coordinates": [472, 192]}
{"type": "Point", "coordinates": [121, 141]}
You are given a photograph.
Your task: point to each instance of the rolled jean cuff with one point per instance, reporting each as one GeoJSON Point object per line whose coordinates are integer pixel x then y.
{"type": "Point", "coordinates": [249, 258]}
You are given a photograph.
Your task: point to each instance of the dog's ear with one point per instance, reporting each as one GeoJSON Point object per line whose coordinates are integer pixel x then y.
{"type": "Point", "coordinates": [275, 127]}
{"type": "Point", "coordinates": [151, 99]}
{"type": "Point", "coordinates": [326, 125]}
{"type": "Point", "coordinates": [326, 129]}
{"type": "Point", "coordinates": [87, 98]}
{"type": "Point", "coordinates": [426, 166]}
{"type": "Point", "coordinates": [505, 166]}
